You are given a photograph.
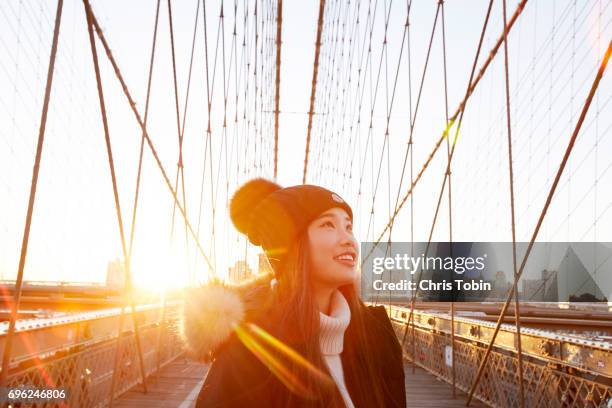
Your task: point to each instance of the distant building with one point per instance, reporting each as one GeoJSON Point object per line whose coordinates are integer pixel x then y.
{"type": "Point", "coordinates": [115, 274]}
{"type": "Point", "coordinates": [501, 286]}
{"type": "Point", "coordinates": [239, 272]}
{"type": "Point", "coordinates": [544, 289]}
{"type": "Point", "coordinates": [264, 265]}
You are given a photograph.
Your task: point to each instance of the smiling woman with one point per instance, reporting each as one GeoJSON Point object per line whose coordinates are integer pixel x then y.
{"type": "Point", "coordinates": [333, 254]}
{"type": "Point", "coordinates": [300, 336]}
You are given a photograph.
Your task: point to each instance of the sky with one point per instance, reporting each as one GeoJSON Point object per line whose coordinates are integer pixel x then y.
{"type": "Point", "coordinates": [554, 50]}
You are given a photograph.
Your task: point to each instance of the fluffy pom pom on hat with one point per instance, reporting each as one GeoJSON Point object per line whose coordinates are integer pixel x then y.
{"type": "Point", "coordinates": [272, 216]}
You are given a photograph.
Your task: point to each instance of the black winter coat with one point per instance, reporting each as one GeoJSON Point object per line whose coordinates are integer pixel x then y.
{"type": "Point", "coordinates": [237, 379]}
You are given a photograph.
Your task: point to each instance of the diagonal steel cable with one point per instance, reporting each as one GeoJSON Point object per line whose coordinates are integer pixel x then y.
{"type": "Point", "coordinates": [26, 233]}
{"type": "Point", "coordinates": [551, 193]}
{"type": "Point", "coordinates": [452, 120]}
{"type": "Point", "coordinates": [132, 104]}
{"type": "Point", "coordinates": [446, 174]}
{"type": "Point", "coordinates": [179, 128]}
{"type": "Point", "coordinates": [142, 139]}
{"type": "Point", "coordinates": [128, 292]}
{"type": "Point", "coordinates": [517, 312]}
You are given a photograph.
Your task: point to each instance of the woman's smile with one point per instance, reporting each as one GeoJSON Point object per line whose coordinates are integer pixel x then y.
{"type": "Point", "coordinates": [347, 258]}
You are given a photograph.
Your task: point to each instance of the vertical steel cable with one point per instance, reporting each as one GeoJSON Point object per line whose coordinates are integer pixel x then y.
{"type": "Point", "coordinates": [414, 116]}
{"type": "Point", "coordinates": [142, 139]}
{"type": "Point", "coordinates": [365, 67]}
{"type": "Point", "coordinates": [383, 52]}
{"type": "Point", "coordinates": [472, 85]}
{"type": "Point", "coordinates": [448, 126]}
{"type": "Point", "coordinates": [313, 90]}
{"type": "Point", "coordinates": [207, 138]}
{"type": "Point", "coordinates": [551, 193]}
{"type": "Point", "coordinates": [517, 312]}
{"type": "Point", "coordinates": [215, 185]}
{"type": "Point", "coordinates": [450, 202]}
{"type": "Point", "coordinates": [346, 96]}
{"type": "Point", "coordinates": [409, 147]}
{"type": "Point", "coordinates": [179, 169]}
{"type": "Point", "coordinates": [257, 87]}
{"type": "Point", "coordinates": [128, 278]}
{"type": "Point", "coordinates": [26, 233]}
{"type": "Point", "coordinates": [185, 108]}
{"type": "Point", "coordinates": [213, 190]}
{"type": "Point", "coordinates": [139, 172]}
{"type": "Point", "coordinates": [158, 162]}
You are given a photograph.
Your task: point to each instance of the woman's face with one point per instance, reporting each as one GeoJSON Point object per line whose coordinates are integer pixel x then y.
{"type": "Point", "coordinates": [333, 249]}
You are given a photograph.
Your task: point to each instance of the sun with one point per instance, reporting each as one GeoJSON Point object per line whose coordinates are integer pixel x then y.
{"type": "Point", "coordinates": [161, 266]}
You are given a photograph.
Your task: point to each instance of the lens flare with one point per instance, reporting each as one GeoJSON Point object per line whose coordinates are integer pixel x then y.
{"type": "Point", "coordinates": [281, 359]}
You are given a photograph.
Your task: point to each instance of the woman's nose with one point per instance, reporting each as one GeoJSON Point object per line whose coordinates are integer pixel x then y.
{"type": "Point", "coordinates": [348, 238]}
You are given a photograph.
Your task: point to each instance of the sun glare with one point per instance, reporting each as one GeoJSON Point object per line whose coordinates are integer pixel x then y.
{"type": "Point", "coordinates": [160, 266]}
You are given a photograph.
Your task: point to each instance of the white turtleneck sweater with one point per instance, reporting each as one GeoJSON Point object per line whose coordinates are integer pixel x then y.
{"type": "Point", "coordinates": [331, 338]}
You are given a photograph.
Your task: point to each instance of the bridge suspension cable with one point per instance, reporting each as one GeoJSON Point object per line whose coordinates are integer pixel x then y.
{"type": "Point", "coordinates": [551, 193]}
{"type": "Point", "coordinates": [128, 274]}
{"type": "Point", "coordinates": [28, 222]}
{"type": "Point", "coordinates": [472, 85]}
{"type": "Point", "coordinates": [313, 92]}
{"type": "Point", "coordinates": [117, 71]}
{"type": "Point", "coordinates": [517, 312]}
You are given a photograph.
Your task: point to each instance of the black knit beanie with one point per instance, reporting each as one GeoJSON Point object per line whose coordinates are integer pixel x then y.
{"type": "Point", "coordinates": [273, 217]}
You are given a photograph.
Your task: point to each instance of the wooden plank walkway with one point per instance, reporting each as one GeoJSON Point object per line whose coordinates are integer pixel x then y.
{"type": "Point", "coordinates": [425, 390]}
{"type": "Point", "coordinates": [179, 384]}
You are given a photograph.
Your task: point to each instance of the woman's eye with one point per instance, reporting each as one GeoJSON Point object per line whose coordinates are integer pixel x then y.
{"type": "Point", "coordinates": [328, 223]}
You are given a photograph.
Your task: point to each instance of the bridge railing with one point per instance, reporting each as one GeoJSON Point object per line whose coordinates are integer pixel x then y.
{"type": "Point", "coordinates": [559, 371]}
{"type": "Point", "coordinates": [80, 351]}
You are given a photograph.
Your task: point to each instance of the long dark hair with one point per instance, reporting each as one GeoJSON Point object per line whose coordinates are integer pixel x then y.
{"type": "Point", "coordinates": [292, 306]}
